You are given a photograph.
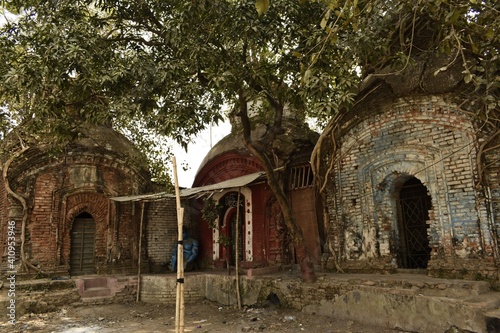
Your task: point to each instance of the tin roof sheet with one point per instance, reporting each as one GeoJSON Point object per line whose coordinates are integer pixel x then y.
{"type": "Point", "coordinates": [190, 192]}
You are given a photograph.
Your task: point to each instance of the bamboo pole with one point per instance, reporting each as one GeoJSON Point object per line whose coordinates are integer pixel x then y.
{"type": "Point", "coordinates": [237, 261]}
{"type": "Point", "coordinates": [139, 255]}
{"type": "Point", "coordinates": [179, 305]}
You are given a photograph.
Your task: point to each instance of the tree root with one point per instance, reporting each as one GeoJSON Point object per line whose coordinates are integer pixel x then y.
{"type": "Point", "coordinates": [22, 199]}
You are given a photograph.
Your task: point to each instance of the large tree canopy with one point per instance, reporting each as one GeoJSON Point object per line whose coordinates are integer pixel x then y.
{"type": "Point", "coordinates": [167, 67]}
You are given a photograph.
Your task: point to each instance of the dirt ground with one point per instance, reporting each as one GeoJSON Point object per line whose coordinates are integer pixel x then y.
{"type": "Point", "coordinates": [201, 317]}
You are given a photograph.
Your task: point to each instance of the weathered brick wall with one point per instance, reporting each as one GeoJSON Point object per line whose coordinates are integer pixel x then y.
{"type": "Point", "coordinates": [161, 233]}
{"type": "Point", "coordinates": [424, 137]}
{"type": "Point", "coordinates": [159, 289]}
{"type": "Point", "coordinates": [43, 224]}
{"type": "Point", "coordinates": [491, 189]}
{"type": "Point", "coordinates": [58, 189]}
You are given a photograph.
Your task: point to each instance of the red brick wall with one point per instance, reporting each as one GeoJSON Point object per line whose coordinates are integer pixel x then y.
{"type": "Point", "coordinates": [261, 194]}
{"type": "Point", "coordinates": [43, 223]}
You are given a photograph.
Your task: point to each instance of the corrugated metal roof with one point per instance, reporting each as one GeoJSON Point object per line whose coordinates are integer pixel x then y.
{"type": "Point", "coordinates": [146, 197]}
{"type": "Point", "coordinates": [189, 192]}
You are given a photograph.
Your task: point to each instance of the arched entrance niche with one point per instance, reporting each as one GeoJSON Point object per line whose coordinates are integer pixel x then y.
{"type": "Point", "coordinates": [403, 200]}
{"type": "Point", "coordinates": [226, 232]}
{"type": "Point", "coordinates": [413, 205]}
{"type": "Point", "coordinates": [231, 232]}
{"type": "Point", "coordinates": [82, 246]}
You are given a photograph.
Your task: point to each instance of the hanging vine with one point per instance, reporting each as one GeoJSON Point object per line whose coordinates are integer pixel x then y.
{"type": "Point", "coordinates": [321, 180]}
{"type": "Point", "coordinates": [210, 212]}
{"type": "Point", "coordinates": [22, 200]}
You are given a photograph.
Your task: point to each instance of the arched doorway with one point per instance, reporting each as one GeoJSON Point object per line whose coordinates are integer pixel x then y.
{"type": "Point", "coordinates": [236, 247]}
{"type": "Point", "coordinates": [232, 246]}
{"type": "Point", "coordinates": [223, 232]}
{"type": "Point", "coordinates": [82, 245]}
{"type": "Point", "coordinates": [413, 208]}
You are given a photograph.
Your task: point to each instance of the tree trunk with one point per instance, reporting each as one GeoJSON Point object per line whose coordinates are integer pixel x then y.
{"type": "Point", "coordinates": [258, 149]}
{"type": "Point", "coordinates": [305, 261]}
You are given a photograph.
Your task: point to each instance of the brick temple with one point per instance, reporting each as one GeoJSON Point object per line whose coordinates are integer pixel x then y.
{"type": "Point", "coordinates": [412, 183]}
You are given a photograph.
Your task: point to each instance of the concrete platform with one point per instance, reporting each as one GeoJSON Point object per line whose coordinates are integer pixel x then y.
{"type": "Point", "coordinates": [405, 301]}
{"type": "Point", "coordinates": [409, 302]}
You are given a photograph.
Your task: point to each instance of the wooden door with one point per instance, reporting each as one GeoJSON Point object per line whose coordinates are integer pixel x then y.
{"type": "Point", "coordinates": [82, 246]}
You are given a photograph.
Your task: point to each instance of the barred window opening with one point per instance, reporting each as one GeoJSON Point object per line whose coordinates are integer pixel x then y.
{"type": "Point", "coordinates": [300, 177]}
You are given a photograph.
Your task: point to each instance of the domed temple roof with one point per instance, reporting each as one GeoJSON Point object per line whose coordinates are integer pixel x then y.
{"type": "Point", "coordinates": [296, 144]}
{"type": "Point", "coordinates": [112, 148]}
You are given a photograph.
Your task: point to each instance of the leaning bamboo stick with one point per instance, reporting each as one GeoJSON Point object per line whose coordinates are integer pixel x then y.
{"type": "Point", "coordinates": [237, 261]}
{"type": "Point", "coordinates": [139, 255]}
{"type": "Point", "coordinates": [179, 305]}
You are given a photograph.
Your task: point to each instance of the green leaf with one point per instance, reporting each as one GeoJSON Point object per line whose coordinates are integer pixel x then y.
{"type": "Point", "coordinates": [323, 23]}
{"type": "Point", "coordinates": [467, 77]}
{"type": "Point", "coordinates": [262, 6]}
{"type": "Point", "coordinates": [490, 34]}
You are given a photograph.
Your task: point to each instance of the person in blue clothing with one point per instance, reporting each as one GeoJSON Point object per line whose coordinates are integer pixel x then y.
{"type": "Point", "coordinates": [190, 250]}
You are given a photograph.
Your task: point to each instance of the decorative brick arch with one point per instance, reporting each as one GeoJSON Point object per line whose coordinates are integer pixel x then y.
{"type": "Point", "coordinates": [227, 166]}
{"type": "Point", "coordinates": [95, 204]}
{"type": "Point", "coordinates": [386, 200]}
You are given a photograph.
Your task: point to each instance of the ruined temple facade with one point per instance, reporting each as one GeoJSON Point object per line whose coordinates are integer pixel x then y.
{"type": "Point", "coordinates": [408, 189]}
{"type": "Point", "coordinates": [71, 226]}
{"type": "Point", "coordinates": [413, 183]}
{"type": "Point", "coordinates": [262, 237]}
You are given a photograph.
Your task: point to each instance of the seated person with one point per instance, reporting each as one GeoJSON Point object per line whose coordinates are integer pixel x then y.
{"type": "Point", "coordinates": [190, 251]}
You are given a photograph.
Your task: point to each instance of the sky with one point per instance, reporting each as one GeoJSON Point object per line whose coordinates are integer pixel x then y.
{"type": "Point", "coordinates": [196, 152]}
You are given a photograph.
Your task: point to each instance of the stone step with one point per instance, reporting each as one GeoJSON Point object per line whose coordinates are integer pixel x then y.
{"type": "Point", "coordinates": [413, 283]}
{"type": "Point", "coordinates": [98, 282]}
{"type": "Point", "coordinates": [97, 300]}
{"type": "Point", "coordinates": [95, 286]}
{"type": "Point", "coordinates": [95, 292]}
{"type": "Point", "coordinates": [487, 301]}
{"type": "Point", "coordinates": [411, 271]}
{"type": "Point", "coordinates": [46, 284]}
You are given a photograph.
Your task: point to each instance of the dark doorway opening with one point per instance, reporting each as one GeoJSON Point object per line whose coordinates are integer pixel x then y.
{"type": "Point", "coordinates": [82, 245]}
{"type": "Point", "coordinates": [232, 250]}
{"type": "Point", "coordinates": [414, 206]}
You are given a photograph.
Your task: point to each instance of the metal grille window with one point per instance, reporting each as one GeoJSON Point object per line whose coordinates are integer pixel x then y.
{"type": "Point", "coordinates": [300, 177]}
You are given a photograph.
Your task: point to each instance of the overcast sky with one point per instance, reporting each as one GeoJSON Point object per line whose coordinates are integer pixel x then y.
{"type": "Point", "coordinates": [197, 152]}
